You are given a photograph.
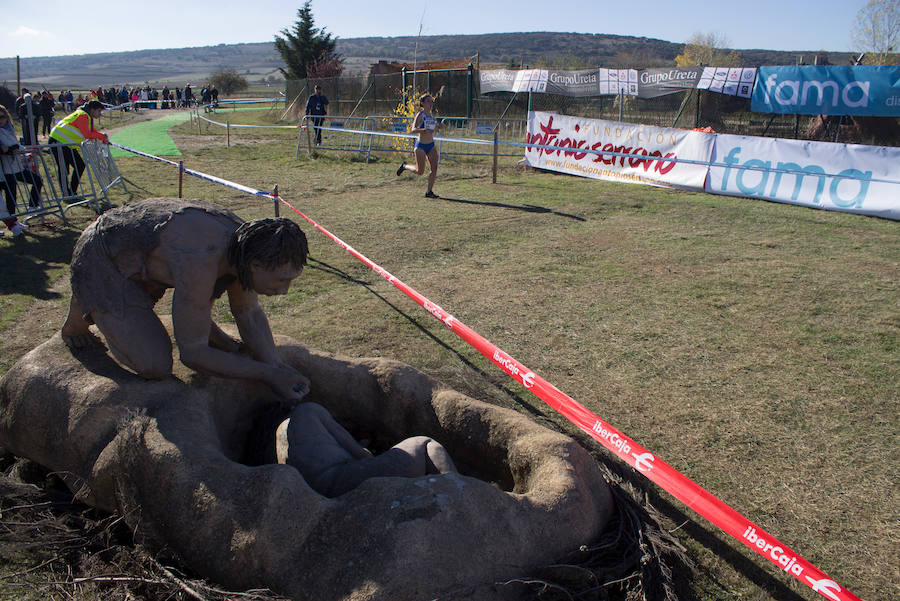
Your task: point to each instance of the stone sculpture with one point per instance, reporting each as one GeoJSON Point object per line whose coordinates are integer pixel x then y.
{"type": "Point", "coordinates": [190, 462]}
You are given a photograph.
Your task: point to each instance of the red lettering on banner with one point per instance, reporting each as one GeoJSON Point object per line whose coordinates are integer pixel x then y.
{"type": "Point", "coordinates": [545, 138]}
{"type": "Point", "coordinates": [648, 159]}
{"type": "Point", "coordinates": [666, 166]}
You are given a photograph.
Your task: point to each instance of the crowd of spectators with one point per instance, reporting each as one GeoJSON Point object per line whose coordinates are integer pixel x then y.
{"type": "Point", "coordinates": [148, 97]}
{"type": "Point", "coordinates": [38, 108]}
{"type": "Point", "coordinates": [34, 113]}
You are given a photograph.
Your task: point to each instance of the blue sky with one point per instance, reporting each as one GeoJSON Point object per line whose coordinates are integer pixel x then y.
{"type": "Point", "coordinates": [52, 27]}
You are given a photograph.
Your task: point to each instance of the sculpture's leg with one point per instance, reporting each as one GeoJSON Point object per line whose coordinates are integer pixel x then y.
{"type": "Point", "coordinates": [138, 340]}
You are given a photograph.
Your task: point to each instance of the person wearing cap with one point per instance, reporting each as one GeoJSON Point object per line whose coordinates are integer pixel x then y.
{"type": "Point", "coordinates": [68, 134]}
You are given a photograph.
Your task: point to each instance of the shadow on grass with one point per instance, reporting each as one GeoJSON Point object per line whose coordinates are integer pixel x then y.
{"type": "Point", "coordinates": [716, 542]}
{"type": "Point", "coordinates": [329, 269]}
{"type": "Point", "coordinates": [503, 205]}
{"type": "Point", "coordinates": [27, 261]}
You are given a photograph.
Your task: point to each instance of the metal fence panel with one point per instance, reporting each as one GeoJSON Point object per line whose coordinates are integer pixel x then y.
{"type": "Point", "coordinates": [42, 189]}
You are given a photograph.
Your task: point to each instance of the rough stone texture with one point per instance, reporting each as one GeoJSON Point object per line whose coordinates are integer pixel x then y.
{"type": "Point", "coordinates": [173, 457]}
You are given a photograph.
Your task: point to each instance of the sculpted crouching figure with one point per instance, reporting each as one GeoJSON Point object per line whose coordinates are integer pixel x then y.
{"type": "Point", "coordinates": [125, 261]}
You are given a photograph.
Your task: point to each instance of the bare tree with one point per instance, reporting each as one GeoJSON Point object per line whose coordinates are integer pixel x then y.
{"type": "Point", "coordinates": [708, 49]}
{"type": "Point", "coordinates": [877, 31]}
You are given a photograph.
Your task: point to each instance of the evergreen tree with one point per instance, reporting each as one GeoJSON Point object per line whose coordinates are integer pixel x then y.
{"type": "Point", "coordinates": [305, 46]}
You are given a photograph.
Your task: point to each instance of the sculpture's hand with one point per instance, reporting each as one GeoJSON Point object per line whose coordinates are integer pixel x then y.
{"type": "Point", "coordinates": [288, 383]}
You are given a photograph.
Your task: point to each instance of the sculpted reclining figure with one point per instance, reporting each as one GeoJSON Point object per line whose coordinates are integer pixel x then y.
{"type": "Point", "coordinates": [332, 462]}
{"type": "Point", "coordinates": [125, 261]}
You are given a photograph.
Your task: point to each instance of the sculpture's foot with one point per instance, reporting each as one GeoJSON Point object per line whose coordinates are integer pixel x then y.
{"type": "Point", "coordinates": [81, 340]}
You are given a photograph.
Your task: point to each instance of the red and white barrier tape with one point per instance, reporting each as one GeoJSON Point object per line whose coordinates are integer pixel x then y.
{"type": "Point", "coordinates": [654, 468]}
{"type": "Point", "coordinates": [671, 480]}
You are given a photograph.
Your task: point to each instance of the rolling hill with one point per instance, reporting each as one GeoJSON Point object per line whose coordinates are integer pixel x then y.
{"type": "Point", "coordinates": [260, 61]}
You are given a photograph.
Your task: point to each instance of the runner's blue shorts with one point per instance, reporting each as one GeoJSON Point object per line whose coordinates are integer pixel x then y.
{"type": "Point", "coordinates": [426, 147]}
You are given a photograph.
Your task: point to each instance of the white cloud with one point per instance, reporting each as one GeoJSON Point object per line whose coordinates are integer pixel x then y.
{"type": "Point", "coordinates": [27, 32]}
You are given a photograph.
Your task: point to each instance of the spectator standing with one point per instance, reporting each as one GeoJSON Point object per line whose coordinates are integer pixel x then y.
{"type": "Point", "coordinates": [28, 111]}
{"type": "Point", "coordinates": [68, 134]}
{"type": "Point", "coordinates": [188, 96]}
{"type": "Point", "coordinates": [317, 107]}
{"type": "Point", "coordinates": [14, 169]}
{"type": "Point", "coordinates": [46, 109]}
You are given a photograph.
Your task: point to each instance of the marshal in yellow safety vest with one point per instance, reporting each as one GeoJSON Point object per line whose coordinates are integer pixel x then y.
{"type": "Point", "coordinates": [77, 127]}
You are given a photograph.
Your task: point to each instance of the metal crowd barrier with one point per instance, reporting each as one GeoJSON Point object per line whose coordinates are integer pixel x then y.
{"type": "Point", "coordinates": [42, 190]}
{"type": "Point", "coordinates": [461, 136]}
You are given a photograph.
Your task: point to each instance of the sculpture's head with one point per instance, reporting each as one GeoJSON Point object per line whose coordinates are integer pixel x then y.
{"type": "Point", "coordinates": [268, 254]}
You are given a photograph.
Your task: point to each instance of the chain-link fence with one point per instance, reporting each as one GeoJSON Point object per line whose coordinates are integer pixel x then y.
{"type": "Point", "coordinates": [457, 95]}
{"type": "Point", "coordinates": [363, 95]}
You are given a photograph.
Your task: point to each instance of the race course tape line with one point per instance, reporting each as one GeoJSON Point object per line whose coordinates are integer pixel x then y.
{"type": "Point", "coordinates": [651, 466]}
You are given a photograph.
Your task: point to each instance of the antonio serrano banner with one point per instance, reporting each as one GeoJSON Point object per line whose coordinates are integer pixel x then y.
{"type": "Point", "coordinates": [823, 175]}
{"type": "Point", "coordinates": [653, 145]}
{"type": "Point", "coordinates": [812, 90]}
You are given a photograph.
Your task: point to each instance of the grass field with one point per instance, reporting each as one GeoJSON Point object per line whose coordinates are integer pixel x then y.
{"type": "Point", "coordinates": [752, 345]}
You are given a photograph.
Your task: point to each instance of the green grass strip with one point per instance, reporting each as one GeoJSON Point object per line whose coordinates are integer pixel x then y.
{"type": "Point", "coordinates": [151, 137]}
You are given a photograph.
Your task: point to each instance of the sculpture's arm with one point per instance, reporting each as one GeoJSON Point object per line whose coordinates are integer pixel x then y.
{"type": "Point", "coordinates": [253, 326]}
{"type": "Point", "coordinates": [192, 323]}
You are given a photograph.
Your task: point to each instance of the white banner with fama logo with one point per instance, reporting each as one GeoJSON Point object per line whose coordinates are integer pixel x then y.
{"type": "Point", "coordinates": [824, 175]}
{"type": "Point", "coordinates": [658, 156]}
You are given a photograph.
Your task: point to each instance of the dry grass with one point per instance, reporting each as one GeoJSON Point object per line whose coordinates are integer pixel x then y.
{"type": "Point", "coordinates": [751, 345]}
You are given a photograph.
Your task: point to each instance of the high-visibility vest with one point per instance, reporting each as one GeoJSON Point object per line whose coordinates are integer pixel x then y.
{"type": "Point", "coordinates": [75, 128]}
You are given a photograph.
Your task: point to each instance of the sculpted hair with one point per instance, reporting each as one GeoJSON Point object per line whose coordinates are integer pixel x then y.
{"type": "Point", "coordinates": [269, 243]}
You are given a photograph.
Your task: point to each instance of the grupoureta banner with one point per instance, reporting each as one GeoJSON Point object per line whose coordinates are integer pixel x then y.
{"type": "Point", "coordinates": [610, 139]}
{"type": "Point", "coordinates": [567, 83]}
{"type": "Point", "coordinates": [824, 175]}
{"type": "Point", "coordinates": [659, 82]}
{"type": "Point", "coordinates": [645, 83]}
{"type": "Point", "coordinates": [813, 90]}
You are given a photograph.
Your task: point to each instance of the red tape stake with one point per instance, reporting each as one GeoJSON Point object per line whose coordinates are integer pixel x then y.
{"type": "Point", "coordinates": [654, 468]}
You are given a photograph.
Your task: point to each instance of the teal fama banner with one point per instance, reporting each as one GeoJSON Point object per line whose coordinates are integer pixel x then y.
{"type": "Point", "coordinates": [814, 90]}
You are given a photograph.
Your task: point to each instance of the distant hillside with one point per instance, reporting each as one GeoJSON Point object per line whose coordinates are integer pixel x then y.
{"type": "Point", "coordinates": [260, 61]}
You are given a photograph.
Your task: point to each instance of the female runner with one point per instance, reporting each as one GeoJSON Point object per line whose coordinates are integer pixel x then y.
{"type": "Point", "coordinates": [424, 125]}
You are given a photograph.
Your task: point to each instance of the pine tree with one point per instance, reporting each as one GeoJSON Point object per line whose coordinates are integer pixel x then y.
{"type": "Point", "coordinates": [305, 46]}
